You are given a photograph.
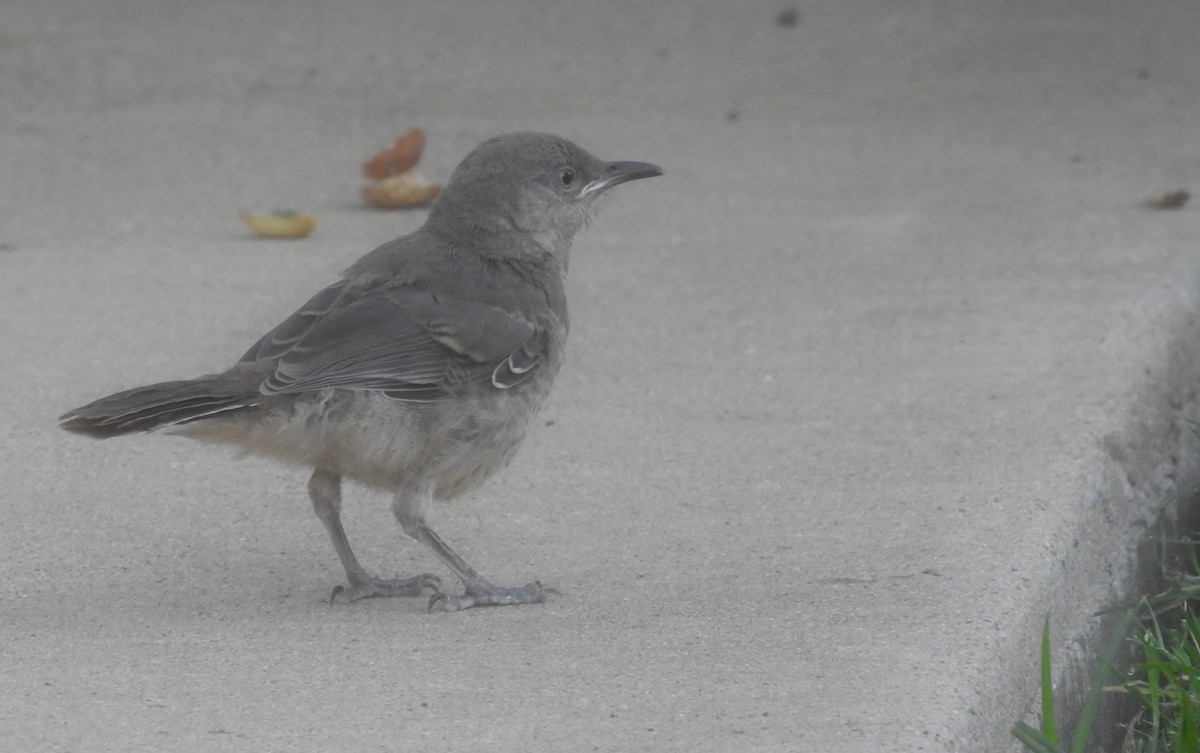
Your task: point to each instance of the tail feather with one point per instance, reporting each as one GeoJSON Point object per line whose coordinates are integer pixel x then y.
{"type": "Point", "coordinates": [157, 405]}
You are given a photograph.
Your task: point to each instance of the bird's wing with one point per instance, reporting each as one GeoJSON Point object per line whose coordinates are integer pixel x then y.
{"type": "Point", "coordinates": [408, 343]}
{"type": "Point", "coordinates": [285, 336]}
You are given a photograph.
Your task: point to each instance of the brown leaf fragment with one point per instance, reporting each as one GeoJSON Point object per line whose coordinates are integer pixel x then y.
{"type": "Point", "coordinates": [399, 158]}
{"type": "Point", "coordinates": [1168, 199]}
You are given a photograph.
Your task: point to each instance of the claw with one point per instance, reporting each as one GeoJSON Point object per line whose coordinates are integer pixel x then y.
{"type": "Point", "coordinates": [438, 596]}
{"type": "Point", "coordinates": [363, 587]}
{"type": "Point", "coordinates": [483, 594]}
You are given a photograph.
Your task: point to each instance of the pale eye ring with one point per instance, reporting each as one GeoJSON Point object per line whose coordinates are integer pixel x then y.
{"type": "Point", "coordinates": [566, 177]}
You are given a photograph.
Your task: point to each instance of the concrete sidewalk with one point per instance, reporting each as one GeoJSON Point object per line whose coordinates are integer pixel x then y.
{"type": "Point", "coordinates": [888, 366]}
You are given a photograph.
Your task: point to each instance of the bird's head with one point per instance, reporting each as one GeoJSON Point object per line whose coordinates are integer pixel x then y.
{"type": "Point", "coordinates": [526, 193]}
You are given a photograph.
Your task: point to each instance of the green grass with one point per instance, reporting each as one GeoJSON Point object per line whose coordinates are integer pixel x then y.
{"type": "Point", "coordinates": [1164, 678]}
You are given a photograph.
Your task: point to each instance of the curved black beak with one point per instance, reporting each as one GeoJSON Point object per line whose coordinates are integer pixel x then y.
{"type": "Point", "coordinates": [616, 173]}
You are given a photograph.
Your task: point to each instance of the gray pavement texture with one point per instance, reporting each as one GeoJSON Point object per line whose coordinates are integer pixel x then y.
{"type": "Point", "coordinates": [888, 366]}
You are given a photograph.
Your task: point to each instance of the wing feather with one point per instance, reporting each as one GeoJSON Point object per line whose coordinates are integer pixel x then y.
{"type": "Point", "coordinates": [408, 343]}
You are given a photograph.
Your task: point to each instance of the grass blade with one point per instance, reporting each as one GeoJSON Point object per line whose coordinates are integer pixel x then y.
{"type": "Point", "coordinates": [1034, 740]}
{"type": "Point", "coordinates": [1049, 726]}
{"type": "Point", "coordinates": [1088, 714]}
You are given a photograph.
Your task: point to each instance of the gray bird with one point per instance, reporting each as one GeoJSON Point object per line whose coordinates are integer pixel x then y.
{"type": "Point", "coordinates": [419, 370]}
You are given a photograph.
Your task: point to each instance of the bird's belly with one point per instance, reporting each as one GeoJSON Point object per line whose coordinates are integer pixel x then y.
{"type": "Point", "coordinates": [453, 445]}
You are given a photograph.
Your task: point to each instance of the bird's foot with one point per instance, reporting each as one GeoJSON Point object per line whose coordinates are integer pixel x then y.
{"type": "Point", "coordinates": [362, 587]}
{"type": "Point", "coordinates": [484, 594]}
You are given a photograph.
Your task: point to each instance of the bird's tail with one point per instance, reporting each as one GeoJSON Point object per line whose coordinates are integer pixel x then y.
{"type": "Point", "coordinates": [158, 405]}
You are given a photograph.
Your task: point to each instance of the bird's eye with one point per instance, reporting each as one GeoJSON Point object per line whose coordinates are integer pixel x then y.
{"type": "Point", "coordinates": [566, 177]}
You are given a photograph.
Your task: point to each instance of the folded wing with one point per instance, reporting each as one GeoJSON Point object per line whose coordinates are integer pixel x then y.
{"type": "Point", "coordinates": [408, 343]}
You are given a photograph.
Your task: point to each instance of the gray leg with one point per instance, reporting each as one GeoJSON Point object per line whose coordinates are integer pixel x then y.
{"type": "Point", "coordinates": [409, 508]}
{"type": "Point", "coordinates": [325, 490]}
